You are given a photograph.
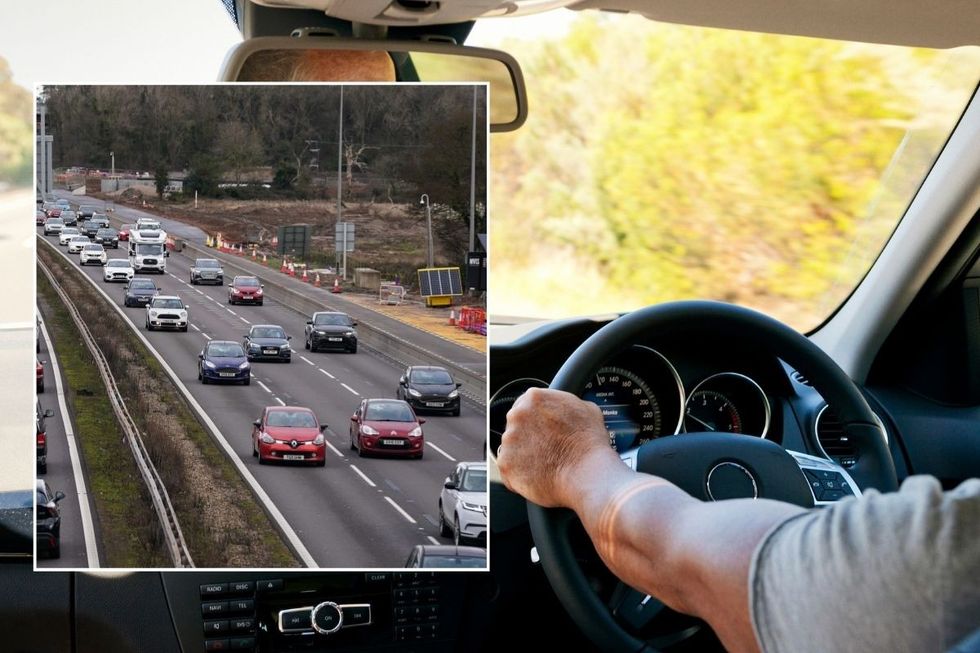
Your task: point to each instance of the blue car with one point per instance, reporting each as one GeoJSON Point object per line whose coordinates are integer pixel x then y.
{"type": "Point", "coordinates": [223, 360]}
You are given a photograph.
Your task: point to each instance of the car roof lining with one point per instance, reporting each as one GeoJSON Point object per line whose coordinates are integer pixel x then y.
{"type": "Point", "coordinates": [936, 24]}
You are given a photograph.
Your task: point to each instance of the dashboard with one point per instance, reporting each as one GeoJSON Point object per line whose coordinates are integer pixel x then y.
{"type": "Point", "coordinates": [675, 386]}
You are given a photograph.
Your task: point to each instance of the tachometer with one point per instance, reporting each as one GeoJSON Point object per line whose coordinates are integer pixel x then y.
{"type": "Point", "coordinates": [629, 408]}
{"type": "Point", "coordinates": [727, 403]}
{"type": "Point", "coordinates": [708, 410]}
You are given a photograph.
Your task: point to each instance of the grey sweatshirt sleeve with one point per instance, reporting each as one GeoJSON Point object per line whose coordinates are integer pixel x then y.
{"type": "Point", "coordinates": [882, 572]}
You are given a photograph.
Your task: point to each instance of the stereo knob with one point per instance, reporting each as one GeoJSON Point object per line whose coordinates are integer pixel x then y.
{"type": "Point", "coordinates": [327, 618]}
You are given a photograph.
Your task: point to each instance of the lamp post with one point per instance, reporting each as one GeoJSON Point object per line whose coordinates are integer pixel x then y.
{"type": "Point", "coordinates": [428, 222]}
{"type": "Point", "coordinates": [112, 155]}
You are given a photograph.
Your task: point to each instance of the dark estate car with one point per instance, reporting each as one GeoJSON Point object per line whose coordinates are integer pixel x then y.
{"type": "Point", "coordinates": [70, 217]}
{"type": "Point", "coordinates": [42, 438]}
{"type": "Point", "coordinates": [245, 290]}
{"type": "Point", "coordinates": [289, 433]}
{"type": "Point", "coordinates": [386, 426]}
{"type": "Point", "coordinates": [139, 291]}
{"type": "Point", "coordinates": [223, 360]}
{"type": "Point", "coordinates": [48, 520]}
{"type": "Point", "coordinates": [446, 556]}
{"type": "Point", "coordinates": [90, 228]}
{"type": "Point", "coordinates": [108, 237]}
{"type": "Point", "coordinates": [207, 270]}
{"type": "Point", "coordinates": [427, 387]}
{"type": "Point", "coordinates": [267, 342]}
{"type": "Point", "coordinates": [331, 330]}
{"type": "Point", "coordinates": [86, 211]}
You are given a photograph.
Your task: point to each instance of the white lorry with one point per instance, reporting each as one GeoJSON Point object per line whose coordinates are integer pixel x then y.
{"type": "Point", "coordinates": [148, 250]}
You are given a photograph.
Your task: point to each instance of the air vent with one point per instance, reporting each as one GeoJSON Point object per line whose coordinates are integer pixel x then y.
{"type": "Point", "coordinates": [830, 433]}
{"type": "Point", "coordinates": [802, 380]}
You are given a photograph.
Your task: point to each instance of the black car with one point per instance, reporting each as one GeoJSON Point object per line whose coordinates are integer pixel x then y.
{"type": "Point", "coordinates": [139, 291]}
{"type": "Point", "coordinates": [427, 387]}
{"type": "Point", "coordinates": [48, 520]}
{"type": "Point", "coordinates": [223, 360]}
{"type": "Point", "coordinates": [207, 270]}
{"type": "Point", "coordinates": [101, 218]}
{"type": "Point", "coordinates": [331, 330]}
{"type": "Point", "coordinates": [267, 342]}
{"type": "Point", "coordinates": [107, 236]}
{"type": "Point", "coordinates": [86, 211]}
{"type": "Point", "coordinates": [446, 556]}
{"type": "Point", "coordinates": [70, 218]}
{"type": "Point", "coordinates": [90, 228]}
{"type": "Point", "coordinates": [42, 438]}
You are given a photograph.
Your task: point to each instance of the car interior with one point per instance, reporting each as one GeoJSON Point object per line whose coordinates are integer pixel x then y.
{"type": "Point", "coordinates": [886, 386]}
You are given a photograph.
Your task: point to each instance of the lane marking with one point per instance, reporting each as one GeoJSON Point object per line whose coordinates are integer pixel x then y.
{"type": "Point", "coordinates": [264, 386]}
{"type": "Point", "coordinates": [205, 335]}
{"type": "Point", "coordinates": [351, 389]}
{"type": "Point", "coordinates": [244, 320]}
{"type": "Point", "coordinates": [195, 327]}
{"type": "Point", "coordinates": [400, 510]}
{"type": "Point", "coordinates": [440, 451]}
{"type": "Point", "coordinates": [433, 540]}
{"type": "Point", "coordinates": [327, 373]}
{"type": "Point", "coordinates": [199, 292]}
{"type": "Point", "coordinates": [281, 402]}
{"type": "Point", "coordinates": [363, 476]}
{"type": "Point", "coordinates": [307, 360]}
{"type": "Point", "coordinates": [88, 526]}
{"type": "Point", "coordinates": [335, 450]}
{"type": "Point", "coordinates": [232, 312]}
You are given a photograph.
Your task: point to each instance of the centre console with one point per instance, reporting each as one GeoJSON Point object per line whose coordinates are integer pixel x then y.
{"type": "Point", "coordinates": [310, 611]}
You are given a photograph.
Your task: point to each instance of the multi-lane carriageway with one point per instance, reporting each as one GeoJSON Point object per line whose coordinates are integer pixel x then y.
{"type": "Point", "coordinates": [355, 512]}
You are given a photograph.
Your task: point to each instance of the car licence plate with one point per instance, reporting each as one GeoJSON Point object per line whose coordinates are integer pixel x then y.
{"type": "Point", "coordinates": [393, 443]}
{"type": "Point", "coordinates": [226, 374]}
{"type": "Point", "coordinates": [270, 351]}
{"type": "Point", "coordinates": [293, 456]}
{"type": "Point", "coordinates": [335, 339]}
{"type": "Point", "coordinates": [435, 404]}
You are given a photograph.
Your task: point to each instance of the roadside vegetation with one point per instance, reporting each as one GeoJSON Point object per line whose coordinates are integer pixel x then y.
{"type": "Point", "coordinates": [222, 522]}
{"type": "Point", "coordinates": [15, 133]}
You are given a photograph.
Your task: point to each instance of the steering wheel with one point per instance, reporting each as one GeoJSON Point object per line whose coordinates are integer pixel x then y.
{"type": "Point", "coordinates": [706, 465]}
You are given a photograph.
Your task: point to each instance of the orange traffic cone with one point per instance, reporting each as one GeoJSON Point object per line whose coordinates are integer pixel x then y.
{"type": "Point", "coordinates": [317, 281]}
{"type": "Point", "coordinates": [292, 270]}
{"type": "Point", "coordinates": [306, 277]}
{"type": "Point", "coordinates": [452, 317]}
{"type": "Point", "coordinates": [264, 260]}
{"type": "Point", "coordinates": [254, 254]}
{"type": "Point", "coordinates": [282, 268]}
{"type": "Point", "coordinates": [336, 287]}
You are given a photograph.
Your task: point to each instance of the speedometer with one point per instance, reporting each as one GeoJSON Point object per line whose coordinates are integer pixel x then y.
{"type": "Point", "coordinates": [629, 408]}
{"type": "Point", "coordinates": [640, 396]}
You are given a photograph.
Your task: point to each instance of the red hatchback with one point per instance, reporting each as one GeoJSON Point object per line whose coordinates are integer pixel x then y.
{"type": "Point", "coordinates": [40, 376]}
{"type": "Point", "coordinates": [124, 232]}
{"type": "Point", "coordinates": [289, 434]}
{"type": "Point", "coordinates": [245, 290]}
{"type": "Point", "coordinates": [386, 426]}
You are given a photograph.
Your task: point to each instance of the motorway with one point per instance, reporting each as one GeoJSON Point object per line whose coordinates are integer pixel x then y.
{"type": "Point", "coordinates": [354, 512]}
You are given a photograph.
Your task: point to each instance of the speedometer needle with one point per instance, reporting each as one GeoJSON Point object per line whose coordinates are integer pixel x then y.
{"type": "Point", "coordinates": [701, 421]}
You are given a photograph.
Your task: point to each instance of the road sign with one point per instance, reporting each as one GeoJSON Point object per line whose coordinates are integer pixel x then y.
{"type": "Point", "coordinates": [344, 233]}
{"type": "Point", "coordinates": [294, 240]}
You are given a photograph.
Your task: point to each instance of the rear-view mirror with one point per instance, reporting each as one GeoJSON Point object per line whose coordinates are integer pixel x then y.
{"type": "Point", "coordinates": [317, 56]}
{"type": "Point", "coordinates": [48, 412]}
{"type": "Point", "coordinates": [58, 496]}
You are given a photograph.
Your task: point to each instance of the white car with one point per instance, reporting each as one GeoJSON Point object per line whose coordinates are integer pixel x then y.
{"type": "Point", "coordinates": [77, 242]}
{"type": "Point", "coordinates": [463, 503]}
{"type": "Point", "coordinates": [92, 253]}
{"type": "Point", "coordinates": [67, 233]}
{"type": "Point", "coordinates": [166, 312]}
{"type": "Point", "coordinates": [117, 269]}
{"type": "Point", "coordinates": [53, 226]}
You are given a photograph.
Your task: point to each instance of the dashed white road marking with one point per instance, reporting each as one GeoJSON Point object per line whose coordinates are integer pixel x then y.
{"type": "Point", "coordinates": [281, 402]}
{"type": "Point", "coordinates": [363, 476]}
{"type": "Point", "coordinates": [232, 312]}
{"type": "Point", "coordinates": [322, 371]}
{"type": "Point", "coordinates": [440, 451]}
{"type": "Point", "coordinates": [195, 327]}
{"type": "Point", "coordinates": [351, 389]}
{"type": "Point", "coordinates": [205, 335]}
{"type": "Point", "coordinates": [264, 386]}
{"type": "Point", "coordinates": [432, 539]}
{"type": "Point", "coordinates": [400, 510]}
{"type": "Point", "coordinates": [307, 360]}
{"type": "Point", "coordinates": [243, 320]}
{"type": "Point", "coordinates": [335, 450]}
{"type": "Point", "coordinates": [199, 292]}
